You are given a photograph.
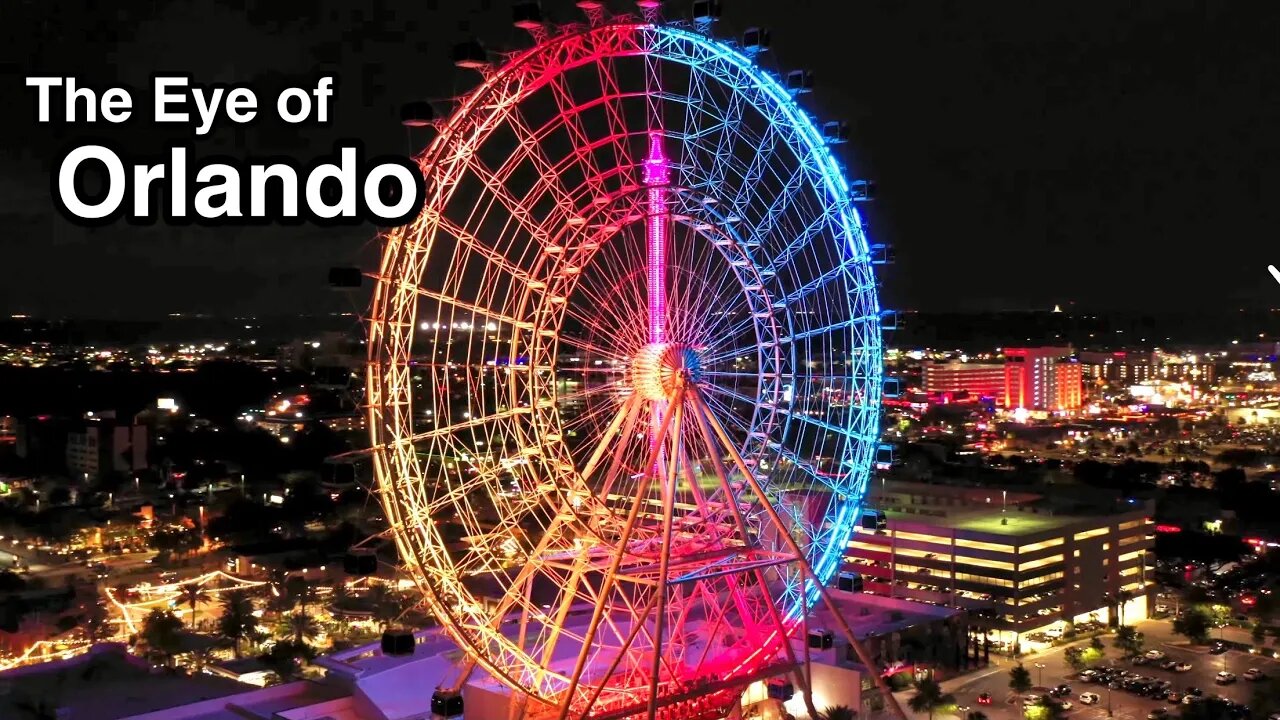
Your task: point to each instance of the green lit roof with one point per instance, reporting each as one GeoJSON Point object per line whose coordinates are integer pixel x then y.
{"type": "Point", "coordinates": [988, 521]}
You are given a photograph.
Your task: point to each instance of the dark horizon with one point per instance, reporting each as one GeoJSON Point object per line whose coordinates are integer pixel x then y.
{"type": "Point", "coordinates": [1026, 156]}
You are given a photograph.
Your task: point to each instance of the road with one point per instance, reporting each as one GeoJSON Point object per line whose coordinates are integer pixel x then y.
{"type": "Point", "coordinates": [1159, 636]}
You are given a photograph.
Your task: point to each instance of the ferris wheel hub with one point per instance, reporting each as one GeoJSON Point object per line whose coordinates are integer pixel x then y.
{"type": "Point", "coordinates": [659, 368]}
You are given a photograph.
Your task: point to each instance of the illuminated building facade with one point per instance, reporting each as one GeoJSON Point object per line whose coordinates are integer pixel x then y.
{"type": "Point", "coordinates": [1126, 368]}
{"type": "Point", "coordinates": [103, 446]}
{"type": "Point", "coordinates": [1042, 378]}
{"type": "Point", "coordinates": [1031, 569]}
{"type": "Point", "coordinates": [978, 379]}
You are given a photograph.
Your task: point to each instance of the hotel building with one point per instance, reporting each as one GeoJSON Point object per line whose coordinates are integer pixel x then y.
{"type": "Point", "coordinates": [1042, 378]}
{"type": "Point", "coordinates": [978, 379]}
{"type": "Point", "coordinates": [1026, 565]}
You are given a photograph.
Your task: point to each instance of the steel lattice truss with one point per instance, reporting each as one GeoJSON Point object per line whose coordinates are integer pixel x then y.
{"type": "Point", "coordinates": [625, 373]}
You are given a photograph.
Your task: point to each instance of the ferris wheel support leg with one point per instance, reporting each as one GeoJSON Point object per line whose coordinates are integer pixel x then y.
{"type": "Point", "coordinates": [863, 656]}
{"type": "Point", "coordinates": [808, 660]}
{"type": "Point", "coordinates": [597, 613]}
{"type": "Point", "coordinates": [802, 675]}
{"type": "Point", "coordinates": [636, 627]}
{"type": "Point", "coordinates": [722, 475]}
{"type": "Point", "coordinates": [664, 563]}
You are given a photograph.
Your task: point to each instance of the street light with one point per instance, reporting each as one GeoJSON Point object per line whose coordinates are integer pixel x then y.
{"type": "Point", "coordinates": [1040, 674]}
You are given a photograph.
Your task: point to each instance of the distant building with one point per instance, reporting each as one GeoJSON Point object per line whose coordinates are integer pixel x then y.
{"type": "Point", "coordinates": [103, 445]}
{"type": "Point", "coordinates": [1135, 368]}
{"type": "Point", "coordinates": [1031, 566]}
{"type": "Point", "coordinates": [978, 379]}
{"type": "Point", "coordinates": [1042, 378]}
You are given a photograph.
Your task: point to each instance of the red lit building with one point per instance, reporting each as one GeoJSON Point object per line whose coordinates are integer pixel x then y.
{"type": "Point", "coordinates": [1043, 378]}
{"type": "Point", "coordinates": [978, 379]}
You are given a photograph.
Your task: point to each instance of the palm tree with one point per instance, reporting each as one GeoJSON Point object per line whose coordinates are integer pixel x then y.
{"type": "Point", "coordinates": [302, 626]}
{"type": "Point", "coordinates": [929, 697]}
{"type": "Point", "coordinates": [839, 712]}
{"type": "Point", "coordinates": [237, 621]}
{"type": "Point", "coordinates": [192, 594]}
{"type": "Point", "coordinates": [386, 606]}
{"type": "Point", "coordinates": [160, 634]}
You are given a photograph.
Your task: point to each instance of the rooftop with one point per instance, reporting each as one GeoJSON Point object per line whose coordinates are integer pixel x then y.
{"type": "Point", "coordinates": [1014, 522]}
{"type": "Point", "coordinates": [103, 684]}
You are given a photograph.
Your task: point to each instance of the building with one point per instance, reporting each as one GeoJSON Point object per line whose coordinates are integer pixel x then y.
{"type": "Point", "coordinates": [106, 683]}
{"type": "Point", "coordinates": [1028, 565]}
{"type": "Point", "coordinates": [1133, 368]}
{"type": "Point", "coordinates": [103, 446]}
{"type": "Point", "coordinates": [978, 379]}
{"type": "Point", "coordinates": [1042, 378]}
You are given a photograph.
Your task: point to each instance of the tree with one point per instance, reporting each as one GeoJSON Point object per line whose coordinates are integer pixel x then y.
{"type": "Point", "coordinates": [1019, 679]}
{"type": "Point", "coordinates": [1194, 624]}
{"type": "Point", "coordinates": [160, 634]}
{"type": "Point", "coordinates": [1095, 643]}
{"type": "Point", "coordinates": [302, 627]}
{"type": "Point", "coordinates": [285, 658]}
{"type": "Point", "coordinates": [1118, 601]}
{"type": "Point", "coordinates": [839, 712]}
{"type": "Point", "coordinates": [929, 697]}
{"type": "Point", "coordinates": [1129, 640]}
{"type": "Point", "coordinates": [1265, 700]}
{"type": "Point", "coordinates": [1075, 658]}
{"type": "Point", "coordinates": [1047, 708]}
{"type": "Point", "coordinates": [385, 605]}
{"type": "Point", "coordinates": [237, 621]}
{"type": "Point", "coordinates": [192, 594]}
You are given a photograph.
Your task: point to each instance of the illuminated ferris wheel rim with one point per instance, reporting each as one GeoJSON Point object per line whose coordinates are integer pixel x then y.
{"type": "Point", "coordinates": [398, 291]}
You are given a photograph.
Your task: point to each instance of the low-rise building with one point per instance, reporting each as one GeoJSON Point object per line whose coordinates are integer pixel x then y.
{"type": "Point", "coordinates": [1031, 566]}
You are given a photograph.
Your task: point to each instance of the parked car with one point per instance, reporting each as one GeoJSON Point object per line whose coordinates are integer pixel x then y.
{"type": "Point", "coordinates": [1156, 655]}
{"type": "Point", "coordinates": [1089, 698]}
{"type": "Point", "coordinates": [1062, 690]}
{"type": "Point", "coordinates": [1254, 674]}
{"type": "Point", "coordinates": [1182, 667]}
{"type": "Point", "coordinates": [1158, 714]}
{"type": "Point", "coordinates": [984, 699]}
{"type": "Point", "coordinates": [1224, 678]}
{"type": "Point", "coordinates": [1174, 697]}
{"type": "Point", "coordinates": [1218, 647]}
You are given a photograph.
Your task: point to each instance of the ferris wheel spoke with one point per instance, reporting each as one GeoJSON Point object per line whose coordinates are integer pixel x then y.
{"type": "Point", "coordinates": [611, 388]}
{"type": "Point", "coordinates": [449, 430]}
{"type": "Point", "coordinates": [582, 345]}
{"type": "Point", "coordinates": [473, 308]}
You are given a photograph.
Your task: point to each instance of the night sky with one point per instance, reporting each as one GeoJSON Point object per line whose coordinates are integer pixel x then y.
{"type": "Point", "coordinates": [1120, 155]}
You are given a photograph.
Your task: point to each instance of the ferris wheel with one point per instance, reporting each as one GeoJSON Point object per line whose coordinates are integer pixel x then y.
{"type": "Point", "coordinates": [625, 371]}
